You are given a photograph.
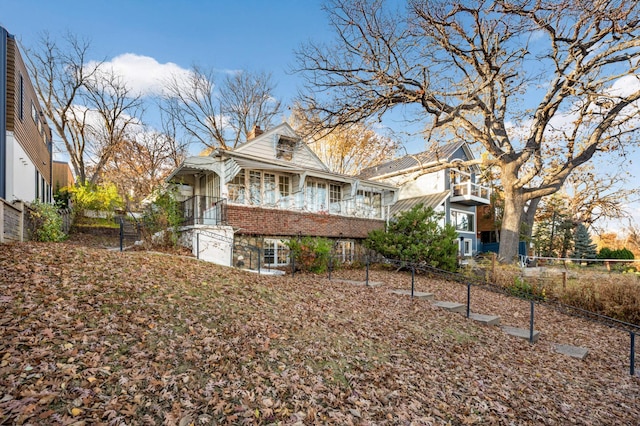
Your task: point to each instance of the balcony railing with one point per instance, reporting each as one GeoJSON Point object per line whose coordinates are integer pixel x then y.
{"type": "Point", "coordinates": [470, 193]}
{"type": "Point", "coordinates": [203, 210]}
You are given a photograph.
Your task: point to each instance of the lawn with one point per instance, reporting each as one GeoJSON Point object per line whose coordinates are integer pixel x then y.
{"type": "Point", "coordinates": [92, 336]}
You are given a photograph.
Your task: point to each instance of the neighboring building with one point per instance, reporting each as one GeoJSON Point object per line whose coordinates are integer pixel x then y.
{"type": "Point", "coordinates": [453, 190]}
{"type": "Point", "coordinates": [272, 188]}
{"type": "Point", "coordinates": [25, 137]}
{"type": "Point", "coordinates": [61, 175]}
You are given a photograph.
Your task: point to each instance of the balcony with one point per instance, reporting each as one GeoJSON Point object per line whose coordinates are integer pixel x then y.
{"type": "Point", "coordinates": [470, 194]}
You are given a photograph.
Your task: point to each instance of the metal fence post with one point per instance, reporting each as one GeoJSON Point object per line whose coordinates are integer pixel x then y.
{"type": "Point", "coordinates": [366, 281]}
{"type": "Point", "coordinates": [330, 265]}
{"type": "Point", "coordinates": [413, 279]}
{"type": "Point", "coordinates": [121, 234]}
{"type": "Point", "coordinates": [468, 299]}
{"type": "Point", "coordinates": [531, 324]}
{"type": "Point", "coordinates": [632, 355]}
{"type": "Point", "coordinates": [293, 266]}
{"type": "Point", "coordinates": [259, 260]}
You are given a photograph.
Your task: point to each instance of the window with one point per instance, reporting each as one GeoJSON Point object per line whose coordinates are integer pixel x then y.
{"type": "Point", "coordinates": [369, 203]}
{"type": "Point", "coordinates": [276, 253]}
{"type": "Point", "coordinates": [463, 221]}
{"type": "Point", "coordinates": [255, 187]}
{"type": "Point", "coordinates": [345, 250]}
{"type": "Point", "coordinates": [284, 186]}
{"type": "Point", "coordinates": [285, 148]}
{"type": "Point", "coordinates": [316, 196]}
{"type": "Point", "coordinates": [335, 198]}
{"type": "Point", "coordinates": [21, 97]}
{"type": "Point", "coordinates": [237, 188]}
{"type": "Point", "coordinates": [270, 194]}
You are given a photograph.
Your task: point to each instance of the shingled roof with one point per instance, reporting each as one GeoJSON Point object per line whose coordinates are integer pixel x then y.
{"type": "Point", "coordinates": [440, 153]}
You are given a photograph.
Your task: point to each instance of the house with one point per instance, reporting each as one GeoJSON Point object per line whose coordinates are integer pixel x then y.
{"type": "Point", "coordinates": [425, 178]}
{"type": "Point", "coordinates": [25, 143]}
{"type": "Point", "coordinates": [247, 202]}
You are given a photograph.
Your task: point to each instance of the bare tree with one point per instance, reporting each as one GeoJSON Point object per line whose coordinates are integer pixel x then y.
{"type": "Point", "coordinates": [116, 110]}
{"type": "Point", "coordinates": [347, 149]}
{"type": "Point", "coordinates": [542, 85]}
{"type": "Point", "coordinates": [592, 197]}
{"type": "Point", "coordinates": [220, 117]}
{"type": "Point", "coordinates": [59, 74]}
{"type": "Point", "coordinates": [90, 107]}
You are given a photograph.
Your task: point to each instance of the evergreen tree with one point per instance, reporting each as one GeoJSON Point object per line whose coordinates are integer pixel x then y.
{"type": "Point", "coordinates": [416, 236]}
{"type": "Point", "coordinates": [583, 246]}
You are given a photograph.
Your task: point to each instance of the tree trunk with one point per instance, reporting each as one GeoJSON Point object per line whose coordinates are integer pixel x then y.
{"type": "Point", "coordinates": [511, 220]}
{"type": "Point", "coordinates": [529, 218]}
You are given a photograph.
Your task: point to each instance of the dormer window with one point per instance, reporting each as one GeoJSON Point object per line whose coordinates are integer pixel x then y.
{"type": "Point", "coordinates": [285, 148]}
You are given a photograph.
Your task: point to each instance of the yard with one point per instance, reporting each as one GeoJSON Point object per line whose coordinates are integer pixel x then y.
{"type": "Point", "coordinates": [96, 336]}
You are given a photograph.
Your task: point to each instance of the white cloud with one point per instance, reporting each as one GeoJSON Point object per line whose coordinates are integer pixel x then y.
{"type": "Point", "coordinates": [144, 74]}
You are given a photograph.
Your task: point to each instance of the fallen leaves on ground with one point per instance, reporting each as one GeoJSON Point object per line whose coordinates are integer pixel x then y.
{"type": "Point", "coordinates": [94, 336]}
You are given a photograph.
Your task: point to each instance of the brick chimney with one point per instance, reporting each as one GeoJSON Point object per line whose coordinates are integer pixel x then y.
{"type": "Point", "coordinates": [255, 132]}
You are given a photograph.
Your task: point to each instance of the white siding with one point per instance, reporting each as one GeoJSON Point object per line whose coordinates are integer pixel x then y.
{"type": "Point", "coordinates": [21, 172]}
{"type": "Point", "coordinates": [264, 147]}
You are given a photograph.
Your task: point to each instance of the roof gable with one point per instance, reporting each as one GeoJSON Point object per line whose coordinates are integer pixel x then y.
{"type": "Point", "coordinates": [451, 151]}
{"type": "Point", "coordinates": [282, 144]}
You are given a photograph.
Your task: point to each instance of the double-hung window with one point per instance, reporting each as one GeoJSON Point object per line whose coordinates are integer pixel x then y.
{"type": "Point", "coordinates": [335, 198]}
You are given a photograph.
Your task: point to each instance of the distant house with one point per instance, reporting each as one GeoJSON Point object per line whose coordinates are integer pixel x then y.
{"type": "Point", "coordinates": [252, 199]}
{"type": "Point", "coordinates": [420, 178]}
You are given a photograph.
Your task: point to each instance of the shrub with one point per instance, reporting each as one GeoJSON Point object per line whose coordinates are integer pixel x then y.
{"type": "Point", "coordinates": [103, 198]}
{"type": "Point", "coordinates": [46, 223]}
{"type": "Point", "coordinates": [164, 215]}
{"type": "Point", "coordinates": [416, 236]}
{"type": "Point", "coordinates": [311, 254]}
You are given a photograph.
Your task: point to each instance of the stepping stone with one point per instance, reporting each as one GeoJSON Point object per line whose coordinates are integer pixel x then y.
{"type": "Point", "coordinates": [352, 282]}
{"type": "Point", "coordinates": [572, 351]}
{"type": "Point", "coordinates": [452, 307]}
{"type": "Point", "coordinates": [485, 319]}
{"type": "Point", "coordinates": [416, 294]}
{"type": "Point", "coordinates": [522, 333]}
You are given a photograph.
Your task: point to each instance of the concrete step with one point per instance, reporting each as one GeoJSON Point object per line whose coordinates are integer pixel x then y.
{"type": "Point", "coordinates": [353, 282]}
{"type": "Point", "coordinates": [416, 294]}
{"type": "Point", "coordinates": [485, 319]}
{"type": "Point", "coordinates": [452, 307]}
{"type": "Point", "coordinates": [572, 351]}
{"type": "Point", "coordinates": [522, 333]}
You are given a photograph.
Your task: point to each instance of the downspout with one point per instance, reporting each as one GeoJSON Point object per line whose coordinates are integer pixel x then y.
{"type": "Point", "coordinates": [3, 112]}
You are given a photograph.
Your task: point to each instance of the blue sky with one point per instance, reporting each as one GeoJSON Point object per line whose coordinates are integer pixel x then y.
{"type": "Point", "coordinates": [247, 34]}
{"type": "Point", "coordinates": [145, 37]}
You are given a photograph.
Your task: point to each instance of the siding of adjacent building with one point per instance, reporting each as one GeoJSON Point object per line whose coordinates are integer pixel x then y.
{"type": "Point", "coordinates": [34, 139]}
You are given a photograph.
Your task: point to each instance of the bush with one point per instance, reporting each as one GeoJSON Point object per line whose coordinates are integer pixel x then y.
{"type": "Point", "coordinates": [311, 254]}
{"type": "Point", "coordinates": [46, 223]}
{"type": "Point", "coordinates": [416, 236]}
{"type": "Point", "coordinates": [164, 215]}
{"type": "Point", "coordinates": [102, 198]}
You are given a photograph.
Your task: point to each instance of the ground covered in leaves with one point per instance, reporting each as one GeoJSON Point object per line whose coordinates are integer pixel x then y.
{"type": "Point", "coordinates": [92, 336]}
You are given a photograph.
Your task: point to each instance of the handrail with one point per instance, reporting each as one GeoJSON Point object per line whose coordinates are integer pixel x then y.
{"type": "Point", "coordinates": [204, 210]}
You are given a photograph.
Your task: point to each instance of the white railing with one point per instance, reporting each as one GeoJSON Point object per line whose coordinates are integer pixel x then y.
{"type": "Point", "coordinates": [469, 189]}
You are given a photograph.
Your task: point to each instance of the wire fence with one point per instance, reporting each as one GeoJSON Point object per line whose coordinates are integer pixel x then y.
{"type": "Point", "coordinates": [368, 260]}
